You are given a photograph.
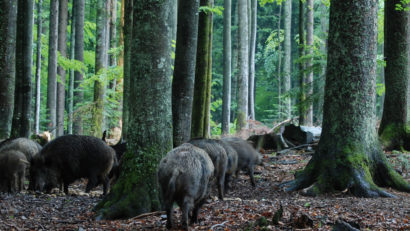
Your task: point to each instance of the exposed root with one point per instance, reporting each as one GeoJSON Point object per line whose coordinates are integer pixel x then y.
{"type": "Point", "coordinates": [390, 178]}
{"type": "Point", "coordinates": [362, 188]}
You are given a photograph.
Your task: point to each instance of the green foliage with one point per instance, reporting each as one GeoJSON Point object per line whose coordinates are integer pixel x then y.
{"type": "Point", "coordinates": [403, 5]}
{"type": "Point", "coordinates": [213, 10]}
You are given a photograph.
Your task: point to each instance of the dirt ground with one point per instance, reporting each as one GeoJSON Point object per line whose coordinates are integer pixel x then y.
{"type": "Point", "coordinates": [244, 208]}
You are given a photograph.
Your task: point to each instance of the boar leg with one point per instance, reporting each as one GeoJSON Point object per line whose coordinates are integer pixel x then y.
{"type": "Point", "coordinates": [106, 184]}
{"type": "Point", "coordinates": [169, 208]}
{"type": "Point", "coordinates": [221, 186]}
{"type": "Point", "coordinates": [186, 207]}
{"type": "Point", "coordinates": [198, 205]}
{"type": "Point", "coordinates": [250, 172]}
{"type": "Point", "coordinates": [226, 184]}
{"type": "Point", "coordinates": [92, 182]}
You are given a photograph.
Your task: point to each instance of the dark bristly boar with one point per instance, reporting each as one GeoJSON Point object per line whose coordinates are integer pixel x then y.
{"type": "Point", "coordinates": [247, 156]}
{"type": "Point", "coordinates": [13, 164]}
{"type": "Point", "coordinates": [183, 175]}
{"type": "Point", "coordinates": [232, 162]}
{"type": "Point", "coordinates": [219, 159]}
{"type": "Point", "coordinates": [28, 147]}
{"type": "Point", "coordinates": [71, 157]}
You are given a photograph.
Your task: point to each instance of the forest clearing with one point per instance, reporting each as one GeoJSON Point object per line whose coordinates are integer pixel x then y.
{"type": "Point", "coordinates": [242, 208]}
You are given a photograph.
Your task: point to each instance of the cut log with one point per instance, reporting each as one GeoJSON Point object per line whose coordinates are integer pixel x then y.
{"type": "Point", "coordinates": [301, 135]}
{"type": "Point", "coordinates": [268, 141]}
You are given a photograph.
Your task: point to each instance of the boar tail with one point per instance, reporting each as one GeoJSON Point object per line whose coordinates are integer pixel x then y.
{"type": "Point", "coordinates": [171, 184]}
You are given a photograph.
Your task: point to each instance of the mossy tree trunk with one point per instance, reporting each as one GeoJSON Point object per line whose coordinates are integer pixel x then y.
{"type": "Point", "coordinates": [242, 110]}
{"type": "Point", "coordinates": [62, 48]}
{"type": "Point", "coordinates": [301, 66]}
{"type": "Point", "coordinates": [184, 70]}
{"type": "Point", "coordinates": [227, 56]}
{"type": "Point", "coordinates": [150, 120]}
{"type": "Point", "coordinates": [392, 129]}
{"type": "Point", "coordinates": [349, 154]}
{"type": "Point", "coordinates": [22, 115]}
{"type": "Point", "coordinates": [8, 15]}
{"type": "Point", "coordinates": [309, 64]}
{"type": "Point", "coordinates": [287, 56]}
{"type": "Point", "coordinates": [100, 67]}
{"type": "Point", "coordinates": [200, 109]}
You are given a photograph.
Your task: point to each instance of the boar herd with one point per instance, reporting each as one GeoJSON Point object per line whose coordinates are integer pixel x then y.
{"type": "Point", "coordinates": [59, 163]}
{"type": "Point", "coordinates": [184, 173]}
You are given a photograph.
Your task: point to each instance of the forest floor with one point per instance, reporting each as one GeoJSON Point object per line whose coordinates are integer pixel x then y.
{"type": "Point", "coordinates": [242, 209]}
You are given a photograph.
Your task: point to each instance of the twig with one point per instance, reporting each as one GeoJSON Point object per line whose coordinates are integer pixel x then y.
{"type": "Point", "coordinates": [278, 125]}
{"type": "Point", "coordinates": [218, 225]}
{"type": "Point", "coordinates": [296, 147]}
{"type": "Point", "coordinates": [148, 214]}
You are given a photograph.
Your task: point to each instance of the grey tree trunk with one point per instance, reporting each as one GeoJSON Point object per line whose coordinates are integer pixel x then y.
{"type": "Point", "coordinates": [302, 76]}
{"type": "Point", "coordinates": [52, 68]}
{"type": "Point", "coordinates": [243, 75]}
{"type": "Point", "coordinates": [150, 118]}
{"type": "Point", "coordinates": [8, 16]}
{"type": "Point", "coordinates": [79, 55]}
{"type": "Point", "coordinates": [21, 126]}
{"type": "Point", "coordinates": [100, 65]}
{"type": "Point", "coordinates": [279, 67]}
{"type": "Point", "coordinates": [349, 155]}
{"type": "Point", "coordinates": [235, 51]}
{"type": "Point", "coordinates": [70, 107]}
{"type": "Point", "coordinates": [62, 48]}
{"type": "Point", "coordinates": [227, 56]}
{"type": "Point", "coordinates": [38, 68]}
{"type": "Point", "coordinates": [309, 64]}
{"type": "Point", "coordinates": [113, 40]}
{"type": "Point", "coordinates": [287, 56]}
{"type": "Point", "coordinates": [184, 70]}
{"type": "Point", "coordinates": [252, 50]}
{"type": "Point", "coordinates": [397, 74]}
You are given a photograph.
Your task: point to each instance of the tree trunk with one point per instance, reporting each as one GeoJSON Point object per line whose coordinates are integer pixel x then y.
{"type": "Point", "coordinates": [309, 64]}
{"type": "Point", "coordinates": [227, 56]}
{"type": "Point", "coordinates": [252, 50]}
{"type": "Point", "coordinates": [38, 69]}
{"type": "Point", "coordinates": [242, 110]}
{"type": "Point", "coordinates": [78, 55]}
{"type": "Point", "coordinates": [184, 70]}
{"type": "Point", "coordinates": [62, 48]}
{"type": "Point", "coordinates": [52, 68]}
{"type": "Point", "coordinates": [199, 109]}
{"type": "Point", "coordinates": [8, 16]}
{"type": "Point", "coordinates": [287, 24]}
{"type": "Point", "coordinates": [70, 108]}
{"type": "Point", "coordinates": [113, 41]}
{"type": "Point", "coordinates": [127, 30]}
{"type": "Point", "coordinates": [121, 41]}
{"type": "Point", "coordinates": [302, 77]}
{"type": "Point", "coordinates": [21, 126]}
{"type": "Point", "coordinates": [349, 154]}
{"type": "Point", "coordinates": [235, 51]}
{"type": "Point", "coordinates": [396, 51]}
{"type": "Point", "coordinates": [100, 68]}
{"type": "Point", "coordinates": [137, 191]}
{"type": "Point", "coordinates": [279, 68]}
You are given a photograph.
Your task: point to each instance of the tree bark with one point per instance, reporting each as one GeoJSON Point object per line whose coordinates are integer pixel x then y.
{"type": "Point", "coordinates": [127, 30]}
{"type": "Point", "coordinates": [100, 68]}
{"type": "Point", "coordinates": [113, 41]}
{"type": "Point", "coordinates": [62, 48]}
{"type": "Point", "coordinates": [52, 68]}
{"type": "Point", "coordinates": [279, 67]}
{"type": "Point", "coordinates": [287, 24]}
{"type": "Point", "coordinates": [302, 76]}
{"type": "Point", "coordinates": [309, 64]}
{"type": "Point", "coordinates": [21, 126]}
{"type": "Point", "coordinates": [70, 108]}
{"type": "Point", "coordinates": [38, 69]}
{"type": "Point", "coordinates": [136, 190]}
{"type": "Point", "coordinates": [227, 68]}
{"type": "Point", "coordinates": [396, 51]}
{"type": "Point", "coordinates": [252, 50]}
{"type": "Point", "coordinates": [243, 75]}
{"type": "Point", "coordinates": [199, 110]}
{"type": "Point", "coordinates": [78, 55]}
{"type": "Point", "coordinates": [8, 17]}
{"type": "Point", "coordinates": [184, 70]}
{"type": "Point", "coordinates": [349, 154]}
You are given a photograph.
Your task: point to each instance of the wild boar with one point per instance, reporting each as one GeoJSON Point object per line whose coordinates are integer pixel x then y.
{"type": "Point", "coordinates": [13, 164]}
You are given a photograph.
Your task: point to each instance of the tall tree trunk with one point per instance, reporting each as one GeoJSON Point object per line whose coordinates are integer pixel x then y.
{"type": "Point", "coordinates": [184, 70]}
{"type": "Point", "coordinates": [397, 74]}
{"type": "Point", "coordinates": [100, 65]}
{"type": "Point", "coordinates": [52, 68]}
{"type": "Point", "coordinates": [279, 68]}
{"type": "Point", "coordinates": [302, 76]}
{"type": "Point", "coordinates": [199, 109]}
{"type": "Point", "coordinates": [349, 154]}
{"type": "Point", "coordinates": [137, 191]}
{"type": "Point", "coordinates": [235, 51]}
{"type": "Point", "coordinates": [8, 16]}
{"type": "Point", "coordinates": [227, 56]}
{"type": "Point", "coordinates": [62, 48]}
{"type": "Point", "coordinates": [38, 69]}
{"type": "Point", "coordinates": [287, 24]}
{"type": "Point", "coordinates": [252, 50]}
{"type": "Point", "coordinates": [70, 108]}
{"type": "Point", "coordinates": [127, 30]}
{"type": "Point", "coordinates": [113, 40]}
{"type": "Point", "coordinates": [79, 55]}
{"type": "Point", "coordinates": [121, 41]}
{"type": "Point", "coordinates": [21, 125]}
{"type": "Point", "coordinates": [242, 110]}
{"type": "Point", "coordinates": [309, 64]}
